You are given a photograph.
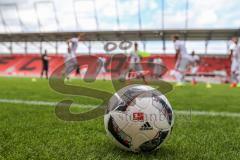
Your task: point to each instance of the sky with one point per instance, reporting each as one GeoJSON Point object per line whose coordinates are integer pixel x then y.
{"type": "Point", "coordinates": [79, 15]}
{"type": "Point", "coordinates": [201, 14]}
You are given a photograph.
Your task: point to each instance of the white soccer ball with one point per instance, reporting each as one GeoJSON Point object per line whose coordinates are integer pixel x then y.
{"type": "Point", "coordinates": [138, 118]}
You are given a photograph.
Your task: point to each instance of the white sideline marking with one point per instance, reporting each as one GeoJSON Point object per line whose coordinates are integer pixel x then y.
{"type": "Point", "coordinates": [180, 112]}
{"type": "Point", "coordinates": [40, 103]}
{"type": "Point", "coordinates": [206, 113]}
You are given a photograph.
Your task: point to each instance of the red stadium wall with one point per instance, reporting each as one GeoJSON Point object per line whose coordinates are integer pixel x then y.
{"type": "Point", "coordinates": [30, 65]}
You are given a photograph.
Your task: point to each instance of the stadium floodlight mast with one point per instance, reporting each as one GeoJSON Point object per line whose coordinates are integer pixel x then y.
{"type": "Point", "coordinates": [139, 15]}
{"type": "Point", "coordinates": [6, 30]}
{"type": "Point", "coordinates": [94, 13]}
{"type": "Point", "coordinates": [209, 37]}
{"type": "Point", "coordinates": [75, 15]}
{"type": "Point", "coordinates": [186, 19]}
{"type": "Point", "coordinates": [26, 47]}
{"type": "Point", "coordinates": [4, 22]}
{"type": "Point", "coordinates": [40, 47]}
{"type": "Point", "coordinates": [89, 47]}
{"type": "Point", "coordinates": [117, 14]}
{"type": "Point", "coordinates": [12, 6]}
{"type": "Point", "coordinates": [38, 18]}
{"type": "Point", "coordinates": [36, 5]}
{"type": "Point", "coordinates": [144, 45]}
{"type": "Point", "coordinates": [163, 27]}
{"type": "Point", "coordinates": [140, 24]}
{"type": "Point", "coordinates": [56, 47]}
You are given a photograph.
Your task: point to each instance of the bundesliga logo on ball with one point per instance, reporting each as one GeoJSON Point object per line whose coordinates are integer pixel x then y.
{"type": "Point", "coordinates": [139, 118]}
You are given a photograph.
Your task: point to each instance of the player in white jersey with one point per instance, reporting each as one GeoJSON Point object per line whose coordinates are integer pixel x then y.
{"type": "Point", "coordinates": [235, 58]}
{"type": "Point", "coordinates": [195, 61]}
{"type": "Point", "coordinates": [183, 60]}
{"type": "Point", "coordinates": [135, 64]}
{"type": "Point", "coordinates": [159, 68]}
{"type": "Point", "coordinates": [71, 62]}
{"type": "Point", "coordinates": [238, 53]}
{"type": "Point", "coordinates": [102, 70]}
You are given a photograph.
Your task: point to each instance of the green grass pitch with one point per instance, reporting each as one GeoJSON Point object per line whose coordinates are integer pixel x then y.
{"type": "Point", "coordinates": [34, 132]}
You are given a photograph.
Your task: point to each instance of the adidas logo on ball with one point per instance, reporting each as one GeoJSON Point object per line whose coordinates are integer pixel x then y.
{"type": "Point", "coordinates": [146, 126]}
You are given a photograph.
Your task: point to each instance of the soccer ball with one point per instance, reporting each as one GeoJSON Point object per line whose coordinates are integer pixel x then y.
{"type": "Point", "coordinates": [138, 118]}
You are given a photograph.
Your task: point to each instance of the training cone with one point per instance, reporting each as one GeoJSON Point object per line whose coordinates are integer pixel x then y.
{"type": "Point", "coordinates": [179, 84]}
{"type": "Point", "coordinates": [34, 79]}
{"type": "Point", "coordinates": [208, 85]}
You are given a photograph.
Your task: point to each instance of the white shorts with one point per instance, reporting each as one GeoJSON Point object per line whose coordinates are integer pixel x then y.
{"type": "Point", "coordinates": [235, 66]}
{"type": "Point", "coordinates": [158, 69]}
{"type": "Point", "coordinates": [194, 69]}
{"type": "Point", "coordinates": [70, 65]}
{"type": "Point", "coordinates": [135, 66]}
{"type": "Point", "coordinates": [182, 64]}
{"type": "Point", "coordinates": [103, 70]}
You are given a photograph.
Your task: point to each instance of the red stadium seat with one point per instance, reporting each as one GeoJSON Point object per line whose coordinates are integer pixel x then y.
{"type": "Point", "coordinates": [30, 65]}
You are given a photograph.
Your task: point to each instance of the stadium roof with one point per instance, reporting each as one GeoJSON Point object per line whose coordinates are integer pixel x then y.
{"type": "Point", "coordinates": [133, 35]}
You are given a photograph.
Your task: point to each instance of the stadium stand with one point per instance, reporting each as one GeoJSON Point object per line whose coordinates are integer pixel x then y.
{"type": "Point", "coordinates": [30, 64]}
